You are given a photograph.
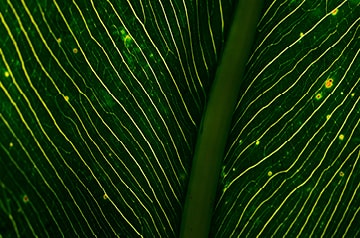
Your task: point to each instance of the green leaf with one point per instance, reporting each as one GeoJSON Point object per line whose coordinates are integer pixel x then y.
{"type": "Point", "coordinates": [291, 167]}
{"type": "Point", "coordinates": [101, 109]}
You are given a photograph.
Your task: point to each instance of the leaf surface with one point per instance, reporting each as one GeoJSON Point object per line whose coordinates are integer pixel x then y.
{"type": "Point", "coordinates": [292, 161]}
{"type": "Point", "coordinates": [100, 106]}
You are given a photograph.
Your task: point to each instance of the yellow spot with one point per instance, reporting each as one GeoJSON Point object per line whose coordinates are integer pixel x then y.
{"type": "Point", "coordinates": [66, 98]}
{"type": "Point", "coordinates": [75, 50]}
{"type": "Point", "coordinates": [105, 196]}
{"type": "Point", "coordinates": [58, 40]}
{"type": "Point", "coordinates": [318, 96]}
{"type": "Point", "coordinates": [11, 144]}
{"type": "Point", "coordinates": [341, 137]}
{"type": "Point", "coordinates": [269, 173]}
{"type": "Point", "coordinates": [341, 174]}
{"type": "Point", "coordinates": [233, 169]}
{"type": "Point", "coordinates": [329, 83]}
{"type": "Point", "coordinates": [301, 34]}
{"type": "Point", "coordinates": [257, 142]}
{"type": "Point", "coordinates": [328, 117]}
{"type": "Point", "coordinates": [334, 12]}
{"type": "Point", "coordinates": [25, 198]}
{"type": "Point", "coordinates": [6, 74]}
{"type": "Point", "coordinates": [127, 40]}
{"type": "Point", "coordinates": [352, 95]}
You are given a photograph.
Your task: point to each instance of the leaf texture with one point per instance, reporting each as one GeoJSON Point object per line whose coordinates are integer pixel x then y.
{"type": "Point", "coordinates": [100, 103]}
{"type": "Point", "coordinates": [292, 163]}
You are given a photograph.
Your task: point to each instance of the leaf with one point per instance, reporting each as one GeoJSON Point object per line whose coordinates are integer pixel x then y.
{"type": "Point", "coordinates": [101, 104]}
{"type": "Point", "coordinates": [216, 121]}
{"type": "Point", "coordinates": [292, 163]}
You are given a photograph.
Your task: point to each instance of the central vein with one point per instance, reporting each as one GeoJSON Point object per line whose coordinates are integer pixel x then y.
{"type": "Point", "coordinates": [216, 122]}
